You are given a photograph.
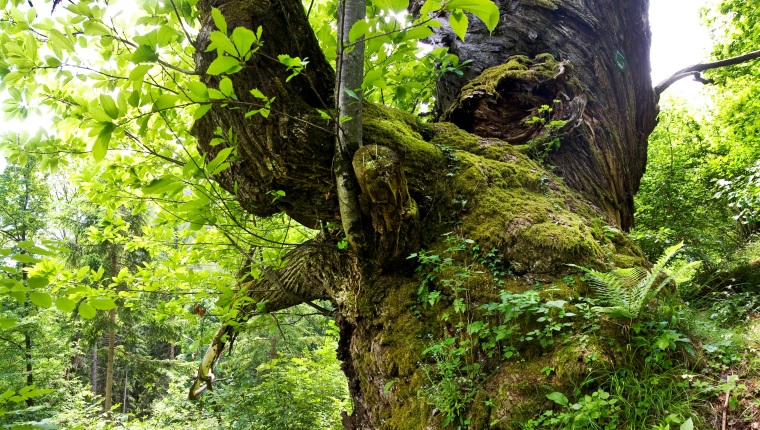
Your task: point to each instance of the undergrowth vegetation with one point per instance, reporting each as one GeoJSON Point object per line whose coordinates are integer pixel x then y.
{"type": "Point", "coordinates": [656, 361]}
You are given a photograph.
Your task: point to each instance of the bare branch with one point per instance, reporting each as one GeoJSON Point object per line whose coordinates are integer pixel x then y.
{"type": "Point", "coordinates": [696, 69]}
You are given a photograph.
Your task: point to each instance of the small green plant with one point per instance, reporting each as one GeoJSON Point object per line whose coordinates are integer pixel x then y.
{"type": "Point", "coordinates": [627, 291]}
{"type": "Point", "coordinates": [597, 410]}
{"type": "Point", "coordinates": [548, 139]}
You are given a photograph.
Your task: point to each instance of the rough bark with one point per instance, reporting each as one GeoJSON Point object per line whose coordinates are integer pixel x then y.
{"type": "Point", "coordinates": [108, 401]}
{"type": "Point", "coordinates": [420, 180]}
{"type": "Point", "coordinates": [606, 43]}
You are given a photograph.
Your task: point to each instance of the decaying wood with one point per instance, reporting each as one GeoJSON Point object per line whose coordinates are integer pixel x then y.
{"type": "Point", "coordinates": [607, 44]}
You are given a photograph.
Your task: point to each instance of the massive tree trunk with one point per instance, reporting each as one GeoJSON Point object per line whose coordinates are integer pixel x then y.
{"type": "Point", "coordinates": [587, 60]}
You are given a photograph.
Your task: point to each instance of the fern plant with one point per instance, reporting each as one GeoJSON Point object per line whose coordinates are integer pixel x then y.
{"type": "Point", "coordinates": [626, 292]}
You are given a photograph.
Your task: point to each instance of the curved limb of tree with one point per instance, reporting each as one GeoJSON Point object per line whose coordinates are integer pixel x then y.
{"type": "Point", "coordinates": [303, 279]}
{"type": "Point", "coordinates": [697, 69]}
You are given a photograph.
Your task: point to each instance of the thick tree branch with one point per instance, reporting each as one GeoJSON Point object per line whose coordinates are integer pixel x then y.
{"type": "Point", "coordinates": [313, 271]}
{"type": "Point", "coordinates": [696, 69]}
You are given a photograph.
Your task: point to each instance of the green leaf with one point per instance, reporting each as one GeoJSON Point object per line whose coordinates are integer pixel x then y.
{"type": "Point", "coordinates": [351, 94]}
{"type": "Point", "coordinates": [25, 258]}
{"type": "Point", "coordinates": [202, 109]}
{"type": "Point", "coordinates": [59, 41]}
{"type": "Point", "coordinates": [65, 305]}
{"type": "Point", "coordinates": [37, 282]}
{"type": "Point", "coordinates": [222, 43]}
{"type": "Point", "coordinates": [225, 86]}
{"type": "Point", "coordinates": [95, 28]}
{"type": "Point", "coordinates": [388, 385]}
{"type": "Point", "coordinates": [165, 101]}
{"type": "Point", "coordinates": [25, 244]}
{"type": "Point", "coordinates": [458, 21]}
{"type": "Point", "coordinates": [372, 76]}
{"type": "Point", "coordinates": [100, 146]}
{"type": "Point", "coordinates": [219, 20]}
{"type": "Point", "coordinates": [160, 185]}
{"type": "Point", "coordinates": [486, 10]}
{"type": "Point", "coordinates": [103, 303]}
{"type": "Point", "coordinates": [243, 39]}
{"type": "Point", "coordinates": [6, 323]}
{"type": "Point", "coordinates": [86, 311]}
{"type": "Point", "coordinates": [392, 5]}
{"type": "Point", "coordinates": [144, 54]}
{"type": "Point", "coordinates": [41, 299]}
{"type": "Point", "coordinates": [198, 90]}
{"type": "Point", "coordinates": [358, 30]}
{"type": "Point", "coordinates": [138, 73]}
{"type": "Point", "coordinates": [688, 425]}
{"type": "Point", "coordinates": [219, 159]}
{"type": "Point", "coordinates": [222, 64]}
{"type": "Point", "coordinates": [557, 398]}
{"type": "Point", "coordinates": [109, 105]}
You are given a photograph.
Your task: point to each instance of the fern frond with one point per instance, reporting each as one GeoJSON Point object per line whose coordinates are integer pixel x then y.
{"type": "Point", "coordinates": [627, 291]}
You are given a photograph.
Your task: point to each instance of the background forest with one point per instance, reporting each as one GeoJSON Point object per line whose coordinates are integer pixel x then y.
{"type": "Point", "coordinates": [117, 266]}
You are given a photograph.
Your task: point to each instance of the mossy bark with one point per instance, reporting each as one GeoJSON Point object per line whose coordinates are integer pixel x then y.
{"type": "Point", "coordinates": [419, 181]}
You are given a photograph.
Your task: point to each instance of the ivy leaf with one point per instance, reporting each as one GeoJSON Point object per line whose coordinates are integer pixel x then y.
{"type": "Point", "coordinates": [486, 10]}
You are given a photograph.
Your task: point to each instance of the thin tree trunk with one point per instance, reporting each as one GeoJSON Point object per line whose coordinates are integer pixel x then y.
{"type": "Point", "coordinates": [110, 355]}
{"type": "Point", "coordinates": [28, 357]}
{"type": "Point", "coordinates": [126, 384]}
{"type": "Point", "coordinates": [171, 351]}
{"type": "Point", "coordinates": [349, 125]}
{"type": "Point", "coordinates": [94, 370]}
{"type": "Point", "coordinates": [273, 347]}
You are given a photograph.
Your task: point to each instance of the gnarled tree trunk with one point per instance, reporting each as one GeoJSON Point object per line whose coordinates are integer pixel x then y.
{"type": "Point", "coordinates": [585, 60]}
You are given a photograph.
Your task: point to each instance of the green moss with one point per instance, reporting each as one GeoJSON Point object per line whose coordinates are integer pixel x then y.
{"type": "Point", "coordinates": [520, 390]}
{"type": "Point", "coordinates": [518, 67]}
